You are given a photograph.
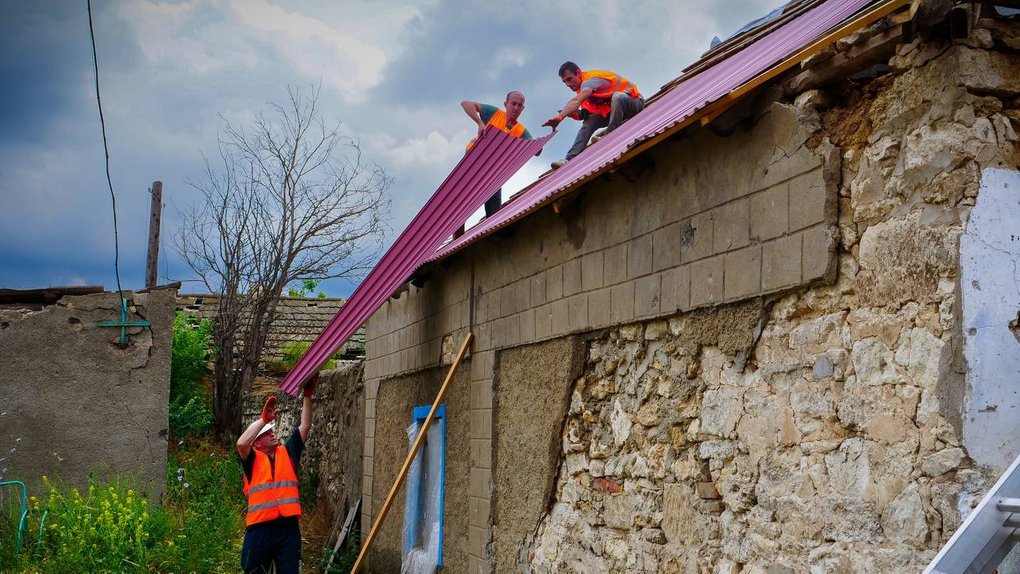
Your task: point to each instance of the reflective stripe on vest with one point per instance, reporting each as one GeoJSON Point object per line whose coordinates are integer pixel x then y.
{"type": "Point", "coordinates": [599, 102]}
{"type": "Point", "coordinates": [272, 496]}
{"type": "Point", "coordinates": [498, 119]}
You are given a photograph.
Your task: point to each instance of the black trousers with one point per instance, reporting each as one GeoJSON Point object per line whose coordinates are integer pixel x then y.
{"type": "Point", "coordinates": [277, 541]}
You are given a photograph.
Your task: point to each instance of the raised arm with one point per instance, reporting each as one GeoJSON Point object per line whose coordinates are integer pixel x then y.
{"type": "Point", "coordinates": [305, 426]}
{"type": "Point", "coordinates": [473, 111]}
{"type": "Point", "coordinates": [252, 432]}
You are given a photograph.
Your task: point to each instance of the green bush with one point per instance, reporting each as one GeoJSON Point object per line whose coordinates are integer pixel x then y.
{"type": "Point", "coordinates": [190, 413]}
{"type": "Point", "coordinates": [107, 528]}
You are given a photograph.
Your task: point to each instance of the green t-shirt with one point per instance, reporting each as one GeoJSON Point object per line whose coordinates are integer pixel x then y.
{"type": "Point", "coordinates": [488, 111]}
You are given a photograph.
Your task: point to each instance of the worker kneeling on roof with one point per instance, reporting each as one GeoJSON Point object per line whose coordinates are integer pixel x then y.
{"type": "Point", "coordinates": [273, 533]}
{"type": "Point", "coordinates": [604, 100]}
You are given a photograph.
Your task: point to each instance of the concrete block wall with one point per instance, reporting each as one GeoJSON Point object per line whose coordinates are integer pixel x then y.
{"type": "Point", "coordinates": [716, 220]}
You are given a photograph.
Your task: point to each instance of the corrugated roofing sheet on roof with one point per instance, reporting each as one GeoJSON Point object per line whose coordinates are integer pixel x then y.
{"type": "Point", "coordinates": [670, 109]}
{"type": "Point", "coordinates": [489, 164]}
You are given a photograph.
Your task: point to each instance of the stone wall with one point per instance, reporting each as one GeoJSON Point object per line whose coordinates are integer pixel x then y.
{"type": "Point", "coordinates": [74, 401]}
{"type": "Point", "coordinates": [829, 440]}
{"type": "Point", "coordinates": [775, 377]}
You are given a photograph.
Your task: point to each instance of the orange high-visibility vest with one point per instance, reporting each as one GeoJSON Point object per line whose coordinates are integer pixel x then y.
{"type": "Point", "coordinates": [272, 496]}
{"type": "Point", "coordinates": [498, 119]}
{"type": "Point", "coordinates": [599, 101]}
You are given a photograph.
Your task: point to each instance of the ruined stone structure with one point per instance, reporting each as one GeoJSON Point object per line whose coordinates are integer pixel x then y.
{"type": "Point", "coordinates": [73, 400]}
{"type": "Point", "coordinates": [787, 349]}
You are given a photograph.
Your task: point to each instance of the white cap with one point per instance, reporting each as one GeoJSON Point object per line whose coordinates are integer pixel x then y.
{"type": "Point", "coordinates": [264, 430]}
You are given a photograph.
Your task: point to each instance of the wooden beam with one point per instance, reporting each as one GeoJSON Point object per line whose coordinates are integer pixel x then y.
{"type": "Point", "coordinates": [875, 50]}
{"type": "Point", "coordinates": [908, 15]}
{"type": "Point", "coordinates": [402, 475]}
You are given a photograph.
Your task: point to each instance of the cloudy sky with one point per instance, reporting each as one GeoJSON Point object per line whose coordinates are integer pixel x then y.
{"type": "Point", "coordinates": [392, 73]}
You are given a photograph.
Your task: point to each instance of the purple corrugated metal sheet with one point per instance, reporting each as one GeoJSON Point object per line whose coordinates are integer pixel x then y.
{"type": "Point", "coordinates": [489, 164]}
{"type": "Point", "coordinates": [672, 108]}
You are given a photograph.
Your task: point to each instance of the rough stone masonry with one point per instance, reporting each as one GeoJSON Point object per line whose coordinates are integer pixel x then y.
{"type": "Point", "coordinates": [820, 431]}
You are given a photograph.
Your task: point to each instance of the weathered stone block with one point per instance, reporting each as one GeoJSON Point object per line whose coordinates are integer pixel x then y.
{"type": "Point", "coordinates": [592, 271]}
{"type": "Point", "coordinates": [481, 394]}
{"type": "Point", "coordinates": [682, 523]}
{"type": "Point", "coordinates": [742, 273]}
{"type": "Point", "coordinates": [942, 461]}
{"type": "Point", "coordinates": [720, 410]}
{"type": "Point", "coordinates": [538, 289]}
{"type": "Point", "coordinates": [571, 278]}
{"type": "Point", "coordinates": [808, 200]}
{"type": "Point", "coordinates": [647, 295]}
{"type": "Point", "coordinates": [732, 226]}
{"type": "Point", "coordinates": [696, 237]}
{"type": "Point", "coordinates": [781, 263]}
{"type": "Point", "coordinates": [818, 254]}
{"type": "Point", "coordinates": [481, 427]}
{"type": "Point", "coordinates": [527, 320]}
{"type": "Point", "coordinates": [577, 312]}
{"type": "Point", "coordinates": [559, 317]}
{"type": "Point", "coordinates": [706, 281]}
{"type": "Point", "coordinates": [614, 264]}
{"type": "Point", "coordinates": [903, 520]}
{"type": "Point", "coordinates": [554, 282]}
{"type": "Point", "coordinates": [639, 256]}
{"type": "Point", "coordinates": [620, 510]}
{"type": "Point", "coordinates": [621, 304]}
{"type": "Point", "coordinates": [599, 303]}
{"type": "Point", "coordinates": [543, 322]}
{"type": "Point", "coordinates": [666, 246]}
{"type": "Point", "coordinates": [987, 71]}
{"type": "Point", "coordinates": [769, 212]}
{"type": "Point", "coordinates": [676, 289]}
{"type": "Point", "coordinates": [522, 295]}
{"type": "Point", "coordinates": [507, 301]}
{"type": "Point", "coordinates": [482, 365]}
{"type": "Point", "coordinates": [902, 260]}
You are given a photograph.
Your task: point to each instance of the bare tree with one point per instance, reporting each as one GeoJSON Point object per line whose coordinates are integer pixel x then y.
{"type": "Point", "coordinates": [291, 201]}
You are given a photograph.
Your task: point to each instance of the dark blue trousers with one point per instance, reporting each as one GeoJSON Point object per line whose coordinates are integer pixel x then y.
{"type": "Point", "coordinates": [277, 541]}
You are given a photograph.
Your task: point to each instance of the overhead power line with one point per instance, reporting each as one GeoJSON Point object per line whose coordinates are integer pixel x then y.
{"type": "Point", "coordinates": [106, 154]}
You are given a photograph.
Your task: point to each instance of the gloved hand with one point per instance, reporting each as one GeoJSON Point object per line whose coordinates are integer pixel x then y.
{"type": "Point", "coordinates": [310, 387]}
{"type": "Point", "coordinates": [553, 121]}
{"type": "Point", "coordinates": [269, 409]}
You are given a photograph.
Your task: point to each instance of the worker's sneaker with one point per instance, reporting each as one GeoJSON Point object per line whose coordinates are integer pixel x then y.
{"type": "Point", "coordinates": [558, 163]}
{"type": "Point", "coordinates": [599, 134]}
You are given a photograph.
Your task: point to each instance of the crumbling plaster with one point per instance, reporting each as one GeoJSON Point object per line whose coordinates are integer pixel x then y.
{"type": "Point", "coordinates": [74, 402]}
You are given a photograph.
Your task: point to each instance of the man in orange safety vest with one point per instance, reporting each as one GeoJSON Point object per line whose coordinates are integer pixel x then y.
{"type": "Point", "coordinates": [604, 100]}
{"type": "Point", "coordinates": [273, 533]}
{"type": "Point", "coordinates": [485, 115]}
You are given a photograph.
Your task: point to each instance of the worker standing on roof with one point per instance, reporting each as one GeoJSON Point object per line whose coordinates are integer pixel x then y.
{"type": "Point", "coordinates": [485, 115]}
{"type": "Point", "coordinates": [273, 532]}
{"type": "Point", "coordinates": [604, 100]}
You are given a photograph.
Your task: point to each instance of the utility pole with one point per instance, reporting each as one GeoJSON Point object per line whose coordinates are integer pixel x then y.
{"type": "Point", "coordinates": [155, 212]}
